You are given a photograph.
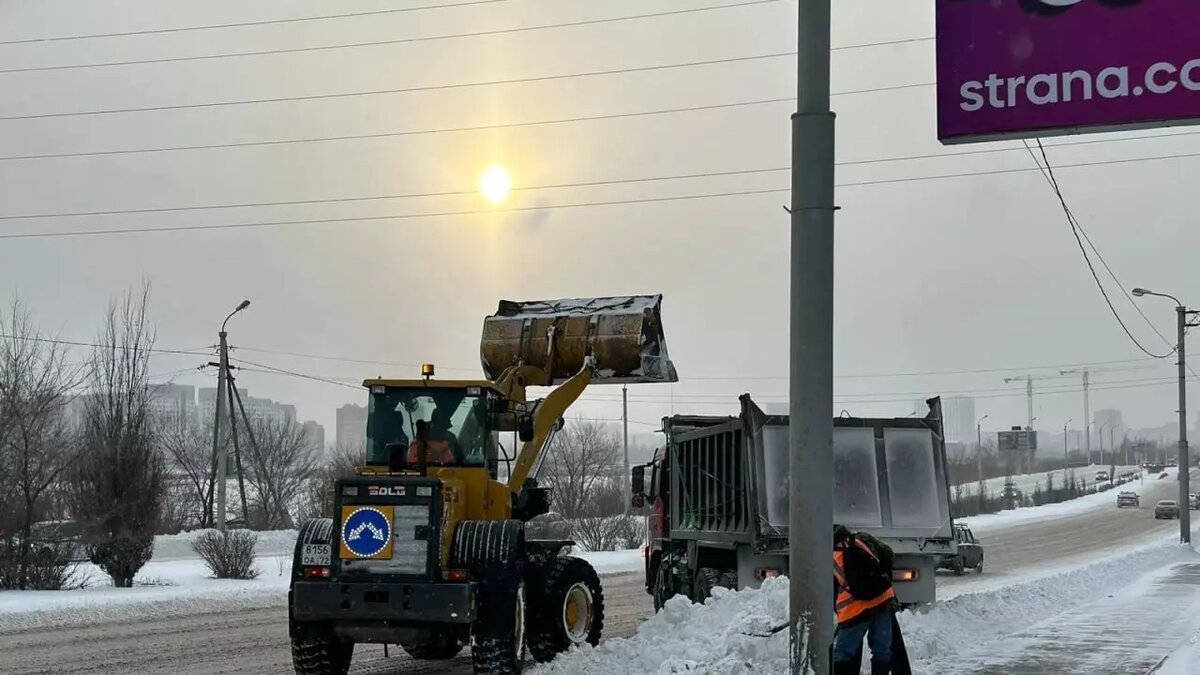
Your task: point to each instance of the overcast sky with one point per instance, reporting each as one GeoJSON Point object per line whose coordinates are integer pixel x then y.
{"type": "Point", "coordinates": [970, 273]}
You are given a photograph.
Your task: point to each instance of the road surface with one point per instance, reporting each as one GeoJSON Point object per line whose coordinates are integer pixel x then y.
{"type": "Point", "coordinates": [1070, 540]}
{"type": "Point", "coordinates": [256, 641]}
{"type": "Point", "coordinates": [248, 642]}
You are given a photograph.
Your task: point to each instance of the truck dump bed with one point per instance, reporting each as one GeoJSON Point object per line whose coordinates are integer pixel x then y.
{"type": "Point", "coordinates": [729, 479]}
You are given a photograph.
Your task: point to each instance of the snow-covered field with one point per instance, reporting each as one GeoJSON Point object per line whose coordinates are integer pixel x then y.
{"type": "Point", "coordinates": [176, 582]}
{"type": "Point", "coordinates": [730, 633]}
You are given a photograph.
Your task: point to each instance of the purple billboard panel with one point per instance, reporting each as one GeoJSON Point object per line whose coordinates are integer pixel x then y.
{"type": "Point", "coordinates": [1023, 68]}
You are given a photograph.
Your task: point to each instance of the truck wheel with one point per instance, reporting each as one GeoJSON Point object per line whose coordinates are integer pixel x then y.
{"type": "Point", "coordinates": [979, 567]}
{"type": "Point", "coordinates": [708, 578]}
{"type": "Point", "coordinates": [661, 590]}
{"type": "Point", "coordinates": [570, 609]}
{"type": "Point", "coordinates": [440, 646]}
{"type": "Point", "coordinates": [317, 651]}
{"type": "Point", "coordinates": [959, 566]}
{"type": "Point", "coordinates": [498, 633]}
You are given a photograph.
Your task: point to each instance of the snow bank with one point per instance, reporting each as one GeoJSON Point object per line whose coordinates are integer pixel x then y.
{"type": "Point", "coordinates": [161, 589]}
{"type": "Point", "coordinates": [614, 562]}
{"type": "Point", "coordinates": [179, 546]}
{"type": "Point", "coordinates": [728, 635]}
{"type": "Point", "coordinates": [1026, 482]}
{"type": "Point", "coordinates": [1185, 660]}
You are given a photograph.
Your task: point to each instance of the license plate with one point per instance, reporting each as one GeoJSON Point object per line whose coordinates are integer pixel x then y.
{"type": "Point", "coordinates": [316, 555]}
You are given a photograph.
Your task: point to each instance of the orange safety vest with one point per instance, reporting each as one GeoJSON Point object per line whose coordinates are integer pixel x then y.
{"type": "Point", "coordinates": [438, 452]}
{"type": "Point", "coordinates": [847, 606]}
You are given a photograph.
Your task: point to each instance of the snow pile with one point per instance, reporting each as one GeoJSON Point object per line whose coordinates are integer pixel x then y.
{"type": "Point", "coordinates": [1185, 660]}
{"type": "Point", "coordinates": [730, 634]}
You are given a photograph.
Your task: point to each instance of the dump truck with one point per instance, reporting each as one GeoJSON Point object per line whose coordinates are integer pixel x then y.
{"type": "Point", "coordinates": [718, 499]}
{"type": "Point", "coordinates": [425, 546]}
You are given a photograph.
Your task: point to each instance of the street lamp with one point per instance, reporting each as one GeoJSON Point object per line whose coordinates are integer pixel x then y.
{"type": "Point", "coordinates": [979, 446]}
{"type": "Point", "coordinates": [219, 450]}
{"type": "Point", "coordinates": [1182, 315]}
{"type": "Point", "coordinates": [1066, 455]}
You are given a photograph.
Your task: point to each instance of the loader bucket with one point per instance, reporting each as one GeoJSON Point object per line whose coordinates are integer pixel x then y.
{"type": "Point", "coordinates": [623, 333]}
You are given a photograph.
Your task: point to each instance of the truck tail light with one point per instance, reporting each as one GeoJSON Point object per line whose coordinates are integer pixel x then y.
{"type": "Point", "coordinates": [316, 572]}
{"type": "Point", "coordinates": [456, 575]}
{"type": "Point", "coordinates": [904, 575]}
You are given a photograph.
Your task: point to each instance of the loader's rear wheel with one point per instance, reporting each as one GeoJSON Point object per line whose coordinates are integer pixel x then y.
{"type": "Point", "coordinates": [438, 647]}
{"type": "Point", "coordinates": [569, 611]}
{"type": "Point", "coordinates": [498, 634]}
{"type": "Point", "coordinates": [317, 651]}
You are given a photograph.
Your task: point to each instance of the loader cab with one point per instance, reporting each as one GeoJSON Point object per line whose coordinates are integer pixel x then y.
{"type": "Point", "coordinates": [480, 427]}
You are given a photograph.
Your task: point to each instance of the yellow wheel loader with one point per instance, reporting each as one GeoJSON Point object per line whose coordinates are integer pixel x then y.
{"type": "Point", "coordinates": [425, 547]}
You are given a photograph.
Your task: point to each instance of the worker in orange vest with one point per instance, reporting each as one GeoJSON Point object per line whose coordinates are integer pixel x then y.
{"type": "Point", "coordinates": [439, 441]}
{"type": "Point", "coordinates": [864, 600]}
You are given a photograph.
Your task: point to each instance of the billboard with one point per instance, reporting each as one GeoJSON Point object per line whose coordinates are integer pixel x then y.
{"type": "Point", "coordinates": [1016, 440]}
{"type": "Point", "coordinates": [1025, 68]}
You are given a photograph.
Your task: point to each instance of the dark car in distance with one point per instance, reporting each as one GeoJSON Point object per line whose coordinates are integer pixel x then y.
{"type": "Point", "coordinates": [970, 552]}
{"type": "Point", "coordinates": [1166, 510]}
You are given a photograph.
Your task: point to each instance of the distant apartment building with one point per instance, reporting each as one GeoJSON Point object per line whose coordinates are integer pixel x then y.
{"type": "Point", "coordinates": [314, 436]}
{"type": "Point", "coordinates": [1108, 419]}
{"type": "Point", "coordinates": [351, 426]}
{"type": "Point", "coordinates": [172, 404]}
{"type": "Point", "coordinates": [958, 418]}
{"type": "Point", "coordinates": [256, 408]}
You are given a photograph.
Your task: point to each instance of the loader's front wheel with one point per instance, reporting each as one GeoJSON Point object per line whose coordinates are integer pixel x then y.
{"type": "Point", "coordinates": [316, 650]}
{"type": "Point", "coordinates": [569, 611]}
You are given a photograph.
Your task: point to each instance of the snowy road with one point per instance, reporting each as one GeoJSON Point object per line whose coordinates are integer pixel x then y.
{"type": "Point", "coordinates": [244, 642]}
{"type": "Point", "coordinates": [1040, 546]}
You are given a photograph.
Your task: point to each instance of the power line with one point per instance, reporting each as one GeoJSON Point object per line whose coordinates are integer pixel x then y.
{"type": "Point", "coordinates": [568, 120]}
{"type": "Point", "coordinates": [394, 134]}
{"type": "Point", "coordinates": [396, 41]}
{"type": "Point", "coordinates": [402, 90]}
{"type": "Point", "coordinates": [72, 343]}
{"type": "Point", "coordinates": [1049, 173]}
{"type": "Point", "coordinates": [619, 202]}
{"type": "Point", "coordinates": [244, 24]}
{"type": "Point", "coordinates": [401, 216]}
{"type": "Point", "coordinates": [281, 371]}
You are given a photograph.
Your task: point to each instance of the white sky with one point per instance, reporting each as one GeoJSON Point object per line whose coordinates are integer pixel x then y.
{"type": "Point", "coordinates": [969, 273]}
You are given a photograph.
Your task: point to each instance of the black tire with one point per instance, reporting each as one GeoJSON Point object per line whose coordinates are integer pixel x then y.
{"type": "Point", "coordinates": [661, 590]}
{"type": "Point", "coordinates": [569, 609]}
{"type": "Point", "coordinates": [317, 651]}
{"type": "Point", "coordinates": [497, 636]}
{"type": "Point", "coordinates": [979, 567]}
{"type": "Point", "coordinates": [959, 566]}
{"type": "Point", "coordinates": [708, 578]}
{"type": "Point", "coordinates": [438, 647]}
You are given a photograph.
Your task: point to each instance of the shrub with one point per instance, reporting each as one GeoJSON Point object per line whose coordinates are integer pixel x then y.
{"type": "Point", "coordinates": [608, 534]}
{"type": "Point", "coordinates": [229, 555]}
{"type": "Point", "coordinates": [122, 557]}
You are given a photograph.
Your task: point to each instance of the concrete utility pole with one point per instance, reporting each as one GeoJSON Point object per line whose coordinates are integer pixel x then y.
{"type": "Point", "coordinates": [1066, 455]}
{"type": "Point", "coordinates": [979, 446]}
{"type": "Point", "coordinates": [1182, 315]}
{"type": "Point", "coordinates": [220, 452]}
{"type": "Point", "coordinates": [1087, 414]}
{"type": "Point", "coordinates": [625, 429]}
{"type": "Point", "coordinates": [810, 437]}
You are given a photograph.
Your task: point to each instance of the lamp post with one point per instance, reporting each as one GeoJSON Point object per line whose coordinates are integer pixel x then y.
{"type": "Point", "coordinates": [1066, 455]}
{"type": "Point", "coordinates": [219, 449]}
{"type": "Point", "coordinates": [979, 446]}
{"type": "Point", "coordinates": [1182, 315]}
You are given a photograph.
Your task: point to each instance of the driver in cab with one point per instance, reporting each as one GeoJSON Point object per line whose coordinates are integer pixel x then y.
{"type": "Point", "coordinates": [440, 443]}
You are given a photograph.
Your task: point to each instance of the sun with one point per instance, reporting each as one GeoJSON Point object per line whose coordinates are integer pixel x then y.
{"type": "Point", "coordinates": [495, 184]}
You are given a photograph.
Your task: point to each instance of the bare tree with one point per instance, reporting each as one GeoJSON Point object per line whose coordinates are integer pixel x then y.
{"type": "Point", "coordinates": [339, 463]}
{"type": "Point", "coordinates": [36, 386]}
{"type": "Point", "coordinates": [119, 480]}
{"type": "Point", "coordinates": [188, 446]}
{"type": "Point", "coordinates": [580, 466]}
{"type": "Point", "coordinates": [277, 466]}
